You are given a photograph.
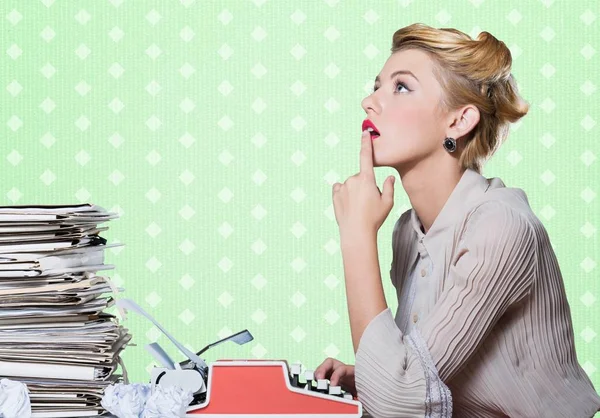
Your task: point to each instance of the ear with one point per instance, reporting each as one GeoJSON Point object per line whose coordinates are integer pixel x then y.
{"type": "Point", "coordinates": [462, 121]}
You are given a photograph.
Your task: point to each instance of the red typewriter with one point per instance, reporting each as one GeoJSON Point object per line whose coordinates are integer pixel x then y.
{"type": "Point", "coordinates": [250, 388]}
{"type": "Point", "coordinates": [246, 388]}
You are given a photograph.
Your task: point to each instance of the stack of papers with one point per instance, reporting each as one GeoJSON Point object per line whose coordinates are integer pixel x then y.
{"type": "Point", "coordinates": [54, 334]}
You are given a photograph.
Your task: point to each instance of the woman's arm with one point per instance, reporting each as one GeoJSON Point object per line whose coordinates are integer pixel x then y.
{"type": "Point", "coordinates": [403, 375]}
{"type": "Point", "coordinates": [364, 289]}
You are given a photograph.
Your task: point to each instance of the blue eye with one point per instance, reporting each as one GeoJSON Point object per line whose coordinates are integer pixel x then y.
{"type": "Point", "coordinates": [400, 83]}
{"type": "Point", "coordinates": [397, 83]}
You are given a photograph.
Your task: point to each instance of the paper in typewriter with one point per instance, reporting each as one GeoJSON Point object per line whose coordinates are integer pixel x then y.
{"type": "Point", "coordinates": [54, 334]}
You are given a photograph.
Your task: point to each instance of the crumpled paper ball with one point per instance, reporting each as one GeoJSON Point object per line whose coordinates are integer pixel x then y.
{"type": "Point", "coordinates": [14, 400]}
{"type": "Point", "coordinates": [126, 401]}
{"type": "Point", "coordinates": [168, 402]}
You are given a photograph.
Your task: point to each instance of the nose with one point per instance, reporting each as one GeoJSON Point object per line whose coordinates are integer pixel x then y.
{"type": "Point", "coordinates": [370, 103]}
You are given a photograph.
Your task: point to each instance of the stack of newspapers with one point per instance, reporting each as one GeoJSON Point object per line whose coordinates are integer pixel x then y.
{"type": "Point", "coordinates": [54, 334]}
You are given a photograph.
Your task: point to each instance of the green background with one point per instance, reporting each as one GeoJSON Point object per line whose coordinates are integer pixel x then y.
{"type": "Point", "coordinates": [217, 129]}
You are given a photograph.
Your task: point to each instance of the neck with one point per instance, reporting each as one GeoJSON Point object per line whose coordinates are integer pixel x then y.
{"type": "Point", "coordinates": [428, 186]}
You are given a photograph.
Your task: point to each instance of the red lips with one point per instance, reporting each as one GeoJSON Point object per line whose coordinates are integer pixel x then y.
{"type": "Point", "coordinates": [368, 124]}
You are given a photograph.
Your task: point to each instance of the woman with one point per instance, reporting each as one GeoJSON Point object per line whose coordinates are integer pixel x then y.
{"type": "Point", "coordinates": [483, 327]}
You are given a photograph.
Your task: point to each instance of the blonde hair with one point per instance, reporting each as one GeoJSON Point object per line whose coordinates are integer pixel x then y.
{"type": "Point", "coordinates": [473, 72]}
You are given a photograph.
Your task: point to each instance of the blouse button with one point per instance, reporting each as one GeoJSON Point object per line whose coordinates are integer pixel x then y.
{"type": "Point", "coordinates": [423, 272]}
{"type": "Point", "coordinates": [415, 318]}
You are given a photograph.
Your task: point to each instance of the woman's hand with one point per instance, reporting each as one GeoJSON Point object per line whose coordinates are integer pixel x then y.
{"type": "Point", "coordinates": [338, 373]}
{"type": "Point", "coordinates": [358, 203]}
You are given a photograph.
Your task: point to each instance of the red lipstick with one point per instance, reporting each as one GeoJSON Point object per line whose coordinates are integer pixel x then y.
{"type": "Point", "coordinates": [368, 124]}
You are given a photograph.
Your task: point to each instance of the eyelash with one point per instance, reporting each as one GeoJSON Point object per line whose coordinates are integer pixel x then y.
{"type": "Point", "coordinates": [396, 84]}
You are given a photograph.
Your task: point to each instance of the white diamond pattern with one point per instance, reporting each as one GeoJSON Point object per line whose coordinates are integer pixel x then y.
{"type": "Point", "coordinates": [217, 134]}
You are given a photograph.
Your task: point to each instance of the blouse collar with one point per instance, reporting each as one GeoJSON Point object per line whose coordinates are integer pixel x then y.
{"type": "Point", "coordinates": [470, 187]}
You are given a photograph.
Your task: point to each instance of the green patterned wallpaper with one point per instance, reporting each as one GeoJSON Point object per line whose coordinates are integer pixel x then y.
{"type": "Point", "coordinates": [217, 129]}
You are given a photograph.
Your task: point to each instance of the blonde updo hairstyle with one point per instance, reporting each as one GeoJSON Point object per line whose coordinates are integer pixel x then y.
{"type": "Point", "coordinates": [473, 72]}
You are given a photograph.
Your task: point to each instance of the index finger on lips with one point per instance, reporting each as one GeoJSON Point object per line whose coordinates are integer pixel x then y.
{"type": "Point", "coordinates": [366, 154]}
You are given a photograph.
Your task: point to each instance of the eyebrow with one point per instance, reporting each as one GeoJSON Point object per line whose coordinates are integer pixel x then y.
{"type": "Point", "coordinates": [395, 73]}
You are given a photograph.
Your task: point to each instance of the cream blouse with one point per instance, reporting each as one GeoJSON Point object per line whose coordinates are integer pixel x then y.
{"type": "Point", "coordinates": [483, 326]}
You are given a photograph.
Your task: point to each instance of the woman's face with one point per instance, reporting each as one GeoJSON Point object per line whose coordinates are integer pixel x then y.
{"type": "Point", "coordinates": [403, 110]}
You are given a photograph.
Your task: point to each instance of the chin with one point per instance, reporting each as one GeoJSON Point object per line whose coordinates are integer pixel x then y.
{"type": "Point", "coordinates": [396, 163]}
{"type": "Point", "coordinates": [378, 164]}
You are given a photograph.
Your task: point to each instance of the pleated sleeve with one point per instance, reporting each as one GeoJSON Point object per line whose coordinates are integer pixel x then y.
{"type": "Point", "coordinates": [403, 375]}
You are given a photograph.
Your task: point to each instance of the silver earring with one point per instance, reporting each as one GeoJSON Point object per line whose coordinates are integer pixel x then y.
{"type": "Point", "coordinates": [450, 144]}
